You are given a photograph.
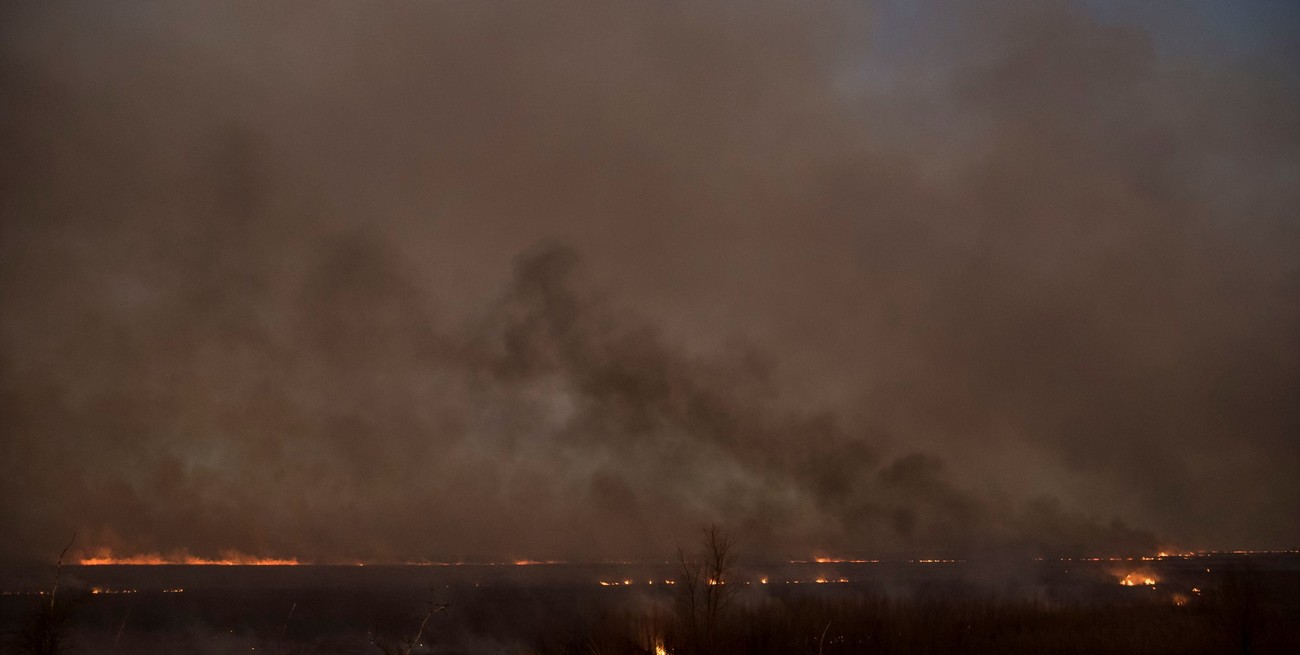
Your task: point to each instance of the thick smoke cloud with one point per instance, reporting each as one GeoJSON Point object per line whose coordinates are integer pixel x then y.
{"type": "Point", "coordinates": [457, 281]}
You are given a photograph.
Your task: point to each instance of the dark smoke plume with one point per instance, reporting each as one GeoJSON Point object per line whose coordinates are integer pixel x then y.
{"type": "Point", "coordinates": [460, 281]}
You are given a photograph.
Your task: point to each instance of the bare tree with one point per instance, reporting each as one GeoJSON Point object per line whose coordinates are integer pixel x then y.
{"type": "Point", "coordinates": [404, 647]}
{"type": "Point", "coordinates": [1239, 598]}
{"type": "Point", "coordinates": [706, 590]}
{"type": "Point", "coordinates": [285, 628]}
{"type": "Point", "coordinates": [46, 632]}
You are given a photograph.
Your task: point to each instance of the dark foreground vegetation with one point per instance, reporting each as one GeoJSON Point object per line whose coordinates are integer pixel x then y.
{"type": "Point", "coordinates": [1238, 607]}
{"type": "Point", "coordinates": [881, 625]}
{"type": "Point", "coordinates": [593, 621]}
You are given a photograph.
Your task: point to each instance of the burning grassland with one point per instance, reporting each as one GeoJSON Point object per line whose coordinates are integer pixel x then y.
{"type": "Point", "coordinates": [105, 557]}
{"type": "Point", "coordinates": [1137, 578]}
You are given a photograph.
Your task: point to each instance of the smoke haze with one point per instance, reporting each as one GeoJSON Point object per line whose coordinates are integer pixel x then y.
{"type": "Point", "coordinates": [463, 281]}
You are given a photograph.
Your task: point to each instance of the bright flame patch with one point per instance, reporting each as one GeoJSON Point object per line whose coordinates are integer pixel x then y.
{"type": "Point", "coordinates": [1138, 579]}
{"type": "Point", "coordinates": [227, 558]}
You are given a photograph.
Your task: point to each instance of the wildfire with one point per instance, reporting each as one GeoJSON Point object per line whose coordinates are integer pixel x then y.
{"type": "Point", "coordinates": [1177, 554]}
{"type": "Point", "coordinates": [1137, 579]}
{"type": "Point", "coordinates": [227, 558]}
{"type": "Point", "coordinates": [629, 583]}
{"type": "Point", "coordinates": [839, 560]}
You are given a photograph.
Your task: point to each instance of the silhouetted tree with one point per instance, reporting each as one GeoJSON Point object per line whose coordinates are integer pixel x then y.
{"type": "Point", "coordinates": [404, 647]}
{"type": "Point", "coordinates": [1239, 596]}
{"type": "Point", "coordinates": [46, 630]}
{"type": "Point", "coordinates": [706, 589]}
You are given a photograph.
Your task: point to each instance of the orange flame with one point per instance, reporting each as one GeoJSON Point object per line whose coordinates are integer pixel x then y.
{"type": "Point", "coordinates": [837, 560]}
{"type": "Point", "coordinates": [1135, 579]}
{"type": "Point", "coordinates": [106, 557]}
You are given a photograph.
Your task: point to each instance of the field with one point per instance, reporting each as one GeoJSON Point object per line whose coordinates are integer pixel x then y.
{"type": "Point", "coordinates": [1219, 603]}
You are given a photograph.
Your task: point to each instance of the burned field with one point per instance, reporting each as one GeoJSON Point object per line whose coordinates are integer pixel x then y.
{"type": "Point", "coordinates": [1209, 603]}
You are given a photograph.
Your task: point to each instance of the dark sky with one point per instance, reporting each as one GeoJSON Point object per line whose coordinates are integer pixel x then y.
{"type": "Point", "coordinates": [402, 281]}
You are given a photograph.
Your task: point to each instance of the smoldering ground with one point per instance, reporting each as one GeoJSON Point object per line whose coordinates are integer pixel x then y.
{"type": "Point", "coordinates": [400, 282]}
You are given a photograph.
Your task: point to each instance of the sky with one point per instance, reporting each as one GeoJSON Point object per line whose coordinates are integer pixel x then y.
{"type": "Point", "coordinates": [395, 282]}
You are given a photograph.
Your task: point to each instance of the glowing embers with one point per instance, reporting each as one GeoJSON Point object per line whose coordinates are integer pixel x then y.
{"type": "Point", "coordinates": [105, 590]}
{"type": "Point", "coordinates": [837, 560]}
{"type": "Point", "coordinates": [105, 557]}
{"type": "Point", "coordinates": [818, 580]}
{"type": "Point", "coordinates": [825, 580]}
{"type": "Point", "coordinates": [1183, 555]}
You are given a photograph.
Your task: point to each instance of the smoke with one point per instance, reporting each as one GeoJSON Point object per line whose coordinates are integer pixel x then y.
{"type": "Point", "coordinates": [405, 282]}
